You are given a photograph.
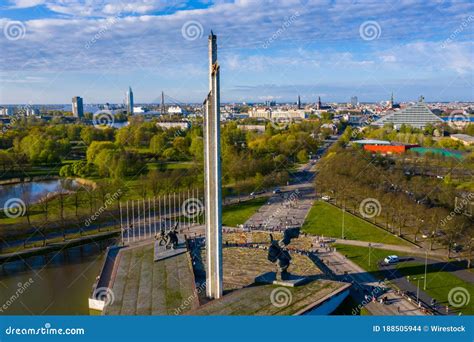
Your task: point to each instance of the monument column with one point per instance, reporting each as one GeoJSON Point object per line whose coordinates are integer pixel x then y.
{"type": "Point", "coordinates": [212, 156]}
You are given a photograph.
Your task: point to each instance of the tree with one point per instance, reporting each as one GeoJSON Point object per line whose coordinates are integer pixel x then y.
{"type": "Point", "coordinates": [158, 144]}
{"type": "Point", "coordinates": [154, 182]}
{"type": "Point", "coordinates": [302, 156]}
{"type": "Point", "coordinates": [96, 147]}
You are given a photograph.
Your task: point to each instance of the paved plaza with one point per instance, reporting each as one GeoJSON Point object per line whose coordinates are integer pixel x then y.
{"type": "Point", "coordinates": [287, 209]}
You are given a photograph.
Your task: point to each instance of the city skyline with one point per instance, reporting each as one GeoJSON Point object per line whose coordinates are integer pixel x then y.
{"type": "Point", "coordinates": [96, 49]}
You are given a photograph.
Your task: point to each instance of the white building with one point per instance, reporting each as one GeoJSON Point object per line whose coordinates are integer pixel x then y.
{"type": "Point", "coordinates": [175, 110]}
{"type": "Point", "coordinates": [464, 138]}
{"type": "Point", "coordinates": [183, 125]}
{"type": "Point", "coordinates": [6, 111]}
{"type": "Point", "coordinates": [139, 110]}
{"type": "Point", "coordinates": [289, 114]}
{"type": "Point", "coordinates": [29, 111]}
{"type": "Point", "coordinates": [254, 128]}
{"type": "Point", "coordinates": [264, 113]}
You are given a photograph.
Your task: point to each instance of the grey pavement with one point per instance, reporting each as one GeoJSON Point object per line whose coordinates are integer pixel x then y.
{"type": "Point", "coordinates": [366, 284]}
{"type": "Point", "coordinates": [288, 209]}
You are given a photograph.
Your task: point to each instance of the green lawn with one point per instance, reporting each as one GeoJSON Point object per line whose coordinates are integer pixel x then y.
{"type": "Point", "coordinates": [326, 219]}
{"type": "Point", "coordinates": [439, 282]}
{"type": "Point", "coordinates": [235, 214]}
{"type": "Point", "coordinates": [360, 256]}
{"type": "Point", "coordinates": [170, 165]}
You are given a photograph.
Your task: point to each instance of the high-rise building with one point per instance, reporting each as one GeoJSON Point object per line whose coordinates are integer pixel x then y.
{"type": "Point", "coordinates": [129, 101]}
{"type": "Point", "coordinates": [299, 102]}
{"type": "Point", "coordinates": [77, 107]}
{"type": "Point", "coordinates": [319, 103]}
{"type": "Point", "coordinates": [354, 101]}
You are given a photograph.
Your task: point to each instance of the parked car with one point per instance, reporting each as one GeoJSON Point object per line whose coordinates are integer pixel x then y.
{"type": "Point", "coordinates": [391, 259]}
{"type": "Point", "coordinates": [325, 198]}
{"type": "Point", "coordinates": [254, 193]}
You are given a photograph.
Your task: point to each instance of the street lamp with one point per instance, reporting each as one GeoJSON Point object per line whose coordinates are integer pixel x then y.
{"type": "Point", "coordinates": [426, 268]}
{"type": "Point", "coordinates": [343, 211]}
{"type": "Point", "coordinates": [370, 245]}
{"type": "Point", "coordinates": [417, 285]}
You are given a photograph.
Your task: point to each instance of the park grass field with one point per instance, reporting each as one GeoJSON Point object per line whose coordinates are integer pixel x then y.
{"type": "Point", "coordinates": [235, 214]}
{"type": "Point", "coordinates": [360, 256]}
{"type": "Point", "coordinates": [326, 220]}
{"type": "Point", "coordinates": [439, 282]}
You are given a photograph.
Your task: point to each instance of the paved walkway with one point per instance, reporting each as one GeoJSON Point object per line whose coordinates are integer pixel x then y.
{"type": "Point", "coordinates": [365, 284]}
{"type": "Point", "coordinates": [393, 274]}
{"type": "Point", "coordinates": [287, 209]}
{"type": "Point", "coordinates": [405, 249]}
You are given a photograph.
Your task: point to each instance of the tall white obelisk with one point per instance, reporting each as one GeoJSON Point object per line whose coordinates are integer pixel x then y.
{"type": "Point", "coordinates": [212, 156]}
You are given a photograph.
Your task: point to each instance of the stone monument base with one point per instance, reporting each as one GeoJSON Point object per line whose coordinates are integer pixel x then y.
{"type": "Point", "coordinates": [161, 253]}
{"type": "Point", "coordinates": [290, 281]}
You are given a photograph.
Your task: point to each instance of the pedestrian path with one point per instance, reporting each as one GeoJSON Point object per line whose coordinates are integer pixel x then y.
{"type": "Point", "coordinates": [367, 286]}
{"type": "Point", "coordinates": [287, 209]}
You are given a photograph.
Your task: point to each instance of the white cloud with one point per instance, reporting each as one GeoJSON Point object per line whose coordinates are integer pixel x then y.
{"type": "Point", "coordinates": [324, 36]}
{"type": "Point", "coordinates": [96, 8]}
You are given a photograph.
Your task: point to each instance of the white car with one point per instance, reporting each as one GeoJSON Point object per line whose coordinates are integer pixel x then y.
{"type": "Point", "coordinates": [325, 198]}
{"type": "Point", "coordinates": [391, 259]}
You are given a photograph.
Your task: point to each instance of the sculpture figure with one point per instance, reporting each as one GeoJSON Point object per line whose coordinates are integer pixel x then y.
{"type": "Point", "coordinates": [278, 253]}
{"type": "Point", "coordinates": [172, 237]}
{"type": "Point", "coordinates": [161, 237]}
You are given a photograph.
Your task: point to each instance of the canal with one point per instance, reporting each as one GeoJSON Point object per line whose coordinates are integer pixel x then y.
{"type": "Point", "coordinates": [36, 190]}
{"type": "Point", "coordinates": [54, 284]}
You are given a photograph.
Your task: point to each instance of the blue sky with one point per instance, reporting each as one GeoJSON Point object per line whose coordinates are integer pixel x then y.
{"type": "Point", "coordinates": [53, 50]}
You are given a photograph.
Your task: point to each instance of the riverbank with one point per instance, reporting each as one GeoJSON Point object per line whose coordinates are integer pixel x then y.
{"type": "Point", "coordinates": [20, 255]}
{"type": "Point", "coordinates": [18, 180]}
